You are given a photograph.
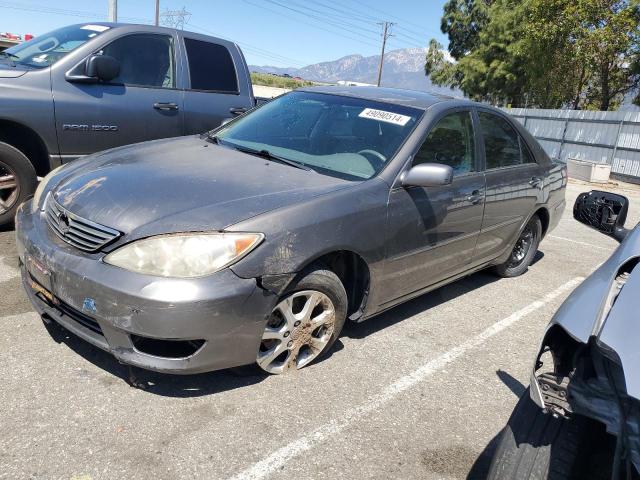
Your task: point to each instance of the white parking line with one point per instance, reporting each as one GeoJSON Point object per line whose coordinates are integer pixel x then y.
{"type": "Point", "coordinates": [608, 249]}
{"type": "Point", "coordinates": [279, 458]}
{"type": "Point", "coordinates": [7, 272]}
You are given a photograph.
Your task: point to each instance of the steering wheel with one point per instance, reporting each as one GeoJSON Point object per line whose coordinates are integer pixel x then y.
{"type": "Point", "coordinates": [379, 159]}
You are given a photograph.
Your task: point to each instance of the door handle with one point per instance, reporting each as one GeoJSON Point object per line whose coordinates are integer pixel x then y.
{"type": "Point", "coordinates": [165, 106]}
{"type": "Point", "coordinates": [475, 197]}
{"type": "Point", "coordinates": [535, 182]}
{"type": "Point", "coordinates": [237, 110]}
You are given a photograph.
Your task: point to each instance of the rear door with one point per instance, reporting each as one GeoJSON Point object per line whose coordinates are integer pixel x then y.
{"type": "Point", "coordinates": [218, 84]}
{"type": "Point", "coordinates": [141, 104]}
{"type": "Point", "coordinates": [514, 184]}
{"type": "Point", "coordinates": [432, 231]}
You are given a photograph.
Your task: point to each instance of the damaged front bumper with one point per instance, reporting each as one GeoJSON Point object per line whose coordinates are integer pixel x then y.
{"type": "Point", "coordinates": [167, 325]}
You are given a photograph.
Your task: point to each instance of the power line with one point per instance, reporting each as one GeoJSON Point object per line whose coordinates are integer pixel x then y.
{"type": "Point", "coordinates": [333, 32]}
{"type": "Point", "coordinates": [261, 52]}
{"type": "Point", "coordinates": [408, 22]}
{"type": "Point", "coordinates": [60, 11]}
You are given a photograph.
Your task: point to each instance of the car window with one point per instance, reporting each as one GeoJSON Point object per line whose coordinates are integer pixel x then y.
{"type": "Point", "coordinates": [346, 137]}
{"type": "Point", "coordinates": [450, 142]}
{"type": "Point", "coordinates": [527, 157]}
{"type": "Point", "coordinates": [146, 60]}
{"type": "Point", "coordinates": [210, 67]}
{"type": "Point", "coordinates": [501, 143]}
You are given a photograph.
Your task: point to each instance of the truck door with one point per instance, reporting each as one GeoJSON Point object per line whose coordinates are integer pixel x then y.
{"type": "Point", "coordinates": [141, 104]}
{"type": "Point", "coordinates": [218, 82]}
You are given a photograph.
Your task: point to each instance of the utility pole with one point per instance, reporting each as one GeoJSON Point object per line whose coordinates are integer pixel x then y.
{"type": "Point", "coordinates": [113, 10]}
{"type": "Point", "coordinates": [157, 13]}
{"type": "Point", "coordinates": [386, 33]}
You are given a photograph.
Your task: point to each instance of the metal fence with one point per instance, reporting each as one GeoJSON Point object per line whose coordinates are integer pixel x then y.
{"type": "Point", "coordinates": [599, 137]}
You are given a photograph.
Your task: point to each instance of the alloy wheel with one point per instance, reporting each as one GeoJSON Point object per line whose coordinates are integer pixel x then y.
{"type": "Point", "coordinates": [9, 188]}
{"type": "Point", "coordinates": [299, 329]}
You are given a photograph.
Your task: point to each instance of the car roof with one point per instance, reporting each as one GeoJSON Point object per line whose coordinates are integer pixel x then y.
{"type": "Point", "coordinates": [409, 98]}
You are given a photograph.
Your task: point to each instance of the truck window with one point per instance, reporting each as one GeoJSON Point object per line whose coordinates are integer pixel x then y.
{"type": "Point", "coordinates": [211, 67]}
{"type": "Point", "coordinates": [146, 60]}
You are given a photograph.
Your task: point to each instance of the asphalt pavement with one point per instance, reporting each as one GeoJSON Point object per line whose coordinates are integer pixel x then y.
{"type": "Point", "coordinates": [419, 392]}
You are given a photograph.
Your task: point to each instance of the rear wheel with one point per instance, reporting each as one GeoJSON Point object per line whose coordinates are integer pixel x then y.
{"type": "Point", "coordinates": [18, 181]}
{"type": "Point", "coordinates": [304, 324]}
{"type": "Point", "coordinates": [523, 251]}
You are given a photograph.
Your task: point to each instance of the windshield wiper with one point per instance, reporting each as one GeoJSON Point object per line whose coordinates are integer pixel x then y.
{"type": "Point", "coordinates": [269, 156]}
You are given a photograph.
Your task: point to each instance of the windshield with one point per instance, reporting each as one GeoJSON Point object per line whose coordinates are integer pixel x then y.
{"type": "Point", "coordinates": [351, 138]}
{"type": "Point", "coordinates": [47, 49]}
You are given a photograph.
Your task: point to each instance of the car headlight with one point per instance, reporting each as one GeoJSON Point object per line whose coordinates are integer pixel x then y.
{"type": "Point", "coordinates": [184, 255]}
{"type": "Point", "coordinates": [35, 204]}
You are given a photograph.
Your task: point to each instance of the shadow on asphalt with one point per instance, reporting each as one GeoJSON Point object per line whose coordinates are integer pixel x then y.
{"type": "Point", "coordinates": [480, 468]}
{"type": "Point", "coordinates": [419, 305]}
{"type": "Point", "coordinates": [512, 383]}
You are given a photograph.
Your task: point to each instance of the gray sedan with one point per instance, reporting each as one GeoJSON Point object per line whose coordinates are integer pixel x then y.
{"type": "Point", "coordinates": [254, 243]}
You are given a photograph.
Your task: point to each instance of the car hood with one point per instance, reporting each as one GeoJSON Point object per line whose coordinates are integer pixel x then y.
{"type": "Point", "coordinates": [7, 71]}
{"type": "Point", "coordinates": [180, 185]}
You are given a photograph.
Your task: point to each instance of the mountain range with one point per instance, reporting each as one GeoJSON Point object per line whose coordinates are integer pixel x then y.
{"type": "Point", "coordinates": [403, 68]}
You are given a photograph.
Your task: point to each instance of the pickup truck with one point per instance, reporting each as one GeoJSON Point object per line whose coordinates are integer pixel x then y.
{"type": "Point", "coordinates": [90, 87]}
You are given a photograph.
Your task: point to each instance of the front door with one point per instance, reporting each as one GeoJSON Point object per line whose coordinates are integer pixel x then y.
{"type": "Point", "coordinates": [141, 104]}
{"type": "Point", "coordinates": [432, 231]}
{"type": "Point", "coordinates": [514, 183]}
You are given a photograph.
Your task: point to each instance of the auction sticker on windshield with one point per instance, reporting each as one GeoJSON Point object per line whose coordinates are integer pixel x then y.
{"type": "Point", "coordinates": [383, 116]}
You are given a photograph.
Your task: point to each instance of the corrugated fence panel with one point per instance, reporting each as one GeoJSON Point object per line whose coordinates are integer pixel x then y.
{"type": "Point", "coordinates": [585, 152]}
{"type": "Point", "coordinates": [545, 128]}
{"type": "Point", "coordinates": [587, 132]}
{"type": "Point", "coordinates": [600, 137]}
{"type": "Point", "coordinates": [627, 162]}
{"type": "Point", "coordinates": [629, 137]}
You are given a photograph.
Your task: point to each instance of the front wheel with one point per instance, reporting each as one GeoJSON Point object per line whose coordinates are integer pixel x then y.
{"type": "Point", "coordinates": [538, 446]}
{"type": "Point", "coordinates": [523, 251]}
{"type": "Point", "coordinates": [18, 181]}
{"type": "Point", "coordinates": [304, 324]}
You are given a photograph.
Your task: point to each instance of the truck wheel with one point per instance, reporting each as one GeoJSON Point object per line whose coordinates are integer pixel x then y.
{"type": "Point", "coordinates": [523, 251]}
{"type": "Point", "coordinates": [18, 181]}
{"type": "Point", "coordinates": [536, 445]}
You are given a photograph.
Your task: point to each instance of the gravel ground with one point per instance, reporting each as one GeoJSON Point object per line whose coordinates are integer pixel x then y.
{"type": "Point", "coordinates": [421, 391]}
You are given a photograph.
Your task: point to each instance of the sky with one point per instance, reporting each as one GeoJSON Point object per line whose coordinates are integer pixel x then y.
{"type": "Point", "coordinates": [283, 33]}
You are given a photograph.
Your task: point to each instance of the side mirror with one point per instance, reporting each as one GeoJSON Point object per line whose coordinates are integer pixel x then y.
{"type": "Point", "coordinates": [604, 211]}
{"type": "Point", "coordinates": [102, 67]}
{"type": "Point", "coordinates": [427, 175]}
{"type": "Point", "coordinates": [97, 68]}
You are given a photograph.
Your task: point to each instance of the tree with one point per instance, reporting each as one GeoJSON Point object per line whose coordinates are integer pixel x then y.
{"type": "Point", "coordinates": [546, 53]}
{"type": "Point", "coordinates": [462, 21]}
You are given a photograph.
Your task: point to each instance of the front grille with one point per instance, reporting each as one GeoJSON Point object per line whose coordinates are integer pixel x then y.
{"type": "Point", "coordinates": [82, 234]}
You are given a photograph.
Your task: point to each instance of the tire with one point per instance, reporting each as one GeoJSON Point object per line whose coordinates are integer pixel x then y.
{"type": "Point", "coordinates": [536, 445]}
{"type": "Point", "coordinates": [307, 340]}
{"type": "Point", "coordinates": [515, 266]}
{"type": "Point", "coordinates": [13, 163]}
